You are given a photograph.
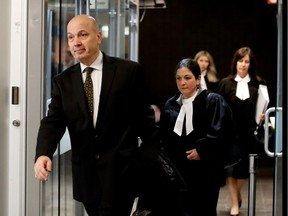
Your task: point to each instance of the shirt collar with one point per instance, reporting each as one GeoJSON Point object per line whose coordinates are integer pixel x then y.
{"type": "Point", "coordinates": [97, 64]}
{"type": "Point", "coordinates": [180, 98]}
{"type": "Point", "coordinates": [245, 79]}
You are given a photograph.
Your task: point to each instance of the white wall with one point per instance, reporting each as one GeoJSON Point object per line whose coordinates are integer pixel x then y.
{"type": "Point", "coordinates": [4, 101]}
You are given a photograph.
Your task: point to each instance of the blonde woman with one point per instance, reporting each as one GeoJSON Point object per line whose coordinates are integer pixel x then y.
{"type": "Point", "coordinates": [209, 79]}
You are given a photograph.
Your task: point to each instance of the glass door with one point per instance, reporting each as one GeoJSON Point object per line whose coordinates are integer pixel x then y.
{"type": "Point", "coordinates": [57, 197]}
{"type": "Point", "coordinates": [276, 151]}
{"type": "Point", "coordinates": [117, 20]}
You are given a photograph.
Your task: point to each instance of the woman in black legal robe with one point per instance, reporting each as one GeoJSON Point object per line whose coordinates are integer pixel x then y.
{"type": "Point", "coordinates": [195, 126]}
{"type": "Point", "coordinates": [240, 90]}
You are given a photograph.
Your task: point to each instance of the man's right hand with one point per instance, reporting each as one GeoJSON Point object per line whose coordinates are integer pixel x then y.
{"type": "Point", "coordinates": [42, 168]}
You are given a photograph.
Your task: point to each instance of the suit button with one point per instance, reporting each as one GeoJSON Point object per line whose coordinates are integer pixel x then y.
{"type": "Point", "coordinates": [97, 157]}
{"type": "Point", "coordinates": [95, 136]}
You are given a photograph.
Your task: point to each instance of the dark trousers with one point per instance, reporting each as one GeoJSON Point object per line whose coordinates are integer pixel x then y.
{"type": "Point", "coordinates": [91, 209]}
{"type": "Point", "coordinates": [123, 208]}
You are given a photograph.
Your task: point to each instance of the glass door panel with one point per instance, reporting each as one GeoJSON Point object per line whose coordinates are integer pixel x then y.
{"type": "Point", "coordinates": [57, 192]}
{"type": "Point", "coordinates": [131, 32]}
{"type": "Point", "coordinates": [114, 19]}
{"type": "Point", "coordinates": [277, 149]}
{"type": "Point", "coordinates": [278, 183]}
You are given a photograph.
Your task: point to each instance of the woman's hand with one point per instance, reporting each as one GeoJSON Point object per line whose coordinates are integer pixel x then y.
{"type": "Point", "coordinates": [192, 155]}
{"type": "Point", "coordinates": [262, 116]}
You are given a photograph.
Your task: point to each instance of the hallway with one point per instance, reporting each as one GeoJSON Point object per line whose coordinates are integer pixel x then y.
{"type": "Point", "coordinates": [264, 193]}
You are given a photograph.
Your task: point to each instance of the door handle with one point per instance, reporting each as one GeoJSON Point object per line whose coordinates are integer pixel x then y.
{"type": "Point", "coordinates": [15, 95]}
{"type": "Point", "coordinates": [266, 134]}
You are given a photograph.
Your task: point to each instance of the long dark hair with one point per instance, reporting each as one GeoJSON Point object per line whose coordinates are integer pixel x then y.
{"type": "Point", "coordinates": [239, 54]}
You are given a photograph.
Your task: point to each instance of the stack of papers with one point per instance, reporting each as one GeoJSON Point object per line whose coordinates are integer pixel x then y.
{"type": "Point", "coordinates": [262, 102]}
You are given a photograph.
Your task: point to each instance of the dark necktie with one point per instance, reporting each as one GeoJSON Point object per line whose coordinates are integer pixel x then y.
{"type": "Point", "coordinates": [88, 87]}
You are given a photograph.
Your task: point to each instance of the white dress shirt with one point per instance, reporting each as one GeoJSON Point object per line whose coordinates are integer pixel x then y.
{"type": "Point", "coordinates": [96, 76]}
{"type": "Point", "coordinates": [202, 81]}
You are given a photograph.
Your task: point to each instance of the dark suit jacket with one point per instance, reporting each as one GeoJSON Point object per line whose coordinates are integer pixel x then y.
{"type": "Point", "coordinates": [101, 155]}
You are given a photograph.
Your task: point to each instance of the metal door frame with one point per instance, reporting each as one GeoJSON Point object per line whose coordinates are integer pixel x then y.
{"type": "Point", "coordinates": [34, 101]}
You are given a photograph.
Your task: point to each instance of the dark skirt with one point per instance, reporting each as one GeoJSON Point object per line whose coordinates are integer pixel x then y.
{"type": "Point", "coordinates": [239, 170]}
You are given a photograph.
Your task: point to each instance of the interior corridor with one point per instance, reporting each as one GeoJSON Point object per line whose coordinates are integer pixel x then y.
{"type": "Point", "coordinates": [264, 192]}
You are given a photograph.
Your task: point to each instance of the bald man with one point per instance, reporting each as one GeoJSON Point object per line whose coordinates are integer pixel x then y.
{"type": "Point", "coordinates": [104, 141]}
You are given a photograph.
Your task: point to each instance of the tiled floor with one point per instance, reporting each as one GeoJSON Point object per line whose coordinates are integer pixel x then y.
{"type": "Point", "coordinates": [263, 197]}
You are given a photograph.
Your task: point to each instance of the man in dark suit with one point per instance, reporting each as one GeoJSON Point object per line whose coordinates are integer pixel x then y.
{"type": "Point", "coordinates": [104, 141]}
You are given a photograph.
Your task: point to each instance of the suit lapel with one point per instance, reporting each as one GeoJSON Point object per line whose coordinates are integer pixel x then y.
{"type": "Point", "coordinates": [108, 75]}
{"type": "Point", "coordinates": [109, 70]}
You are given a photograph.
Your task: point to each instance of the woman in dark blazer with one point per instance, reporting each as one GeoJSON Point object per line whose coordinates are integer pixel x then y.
{"type": "Point", "coordinates": [104, 144]}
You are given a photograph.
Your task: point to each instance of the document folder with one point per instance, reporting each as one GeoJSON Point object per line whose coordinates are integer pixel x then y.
{"type": "Point", "coordinates": [262, 102]}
